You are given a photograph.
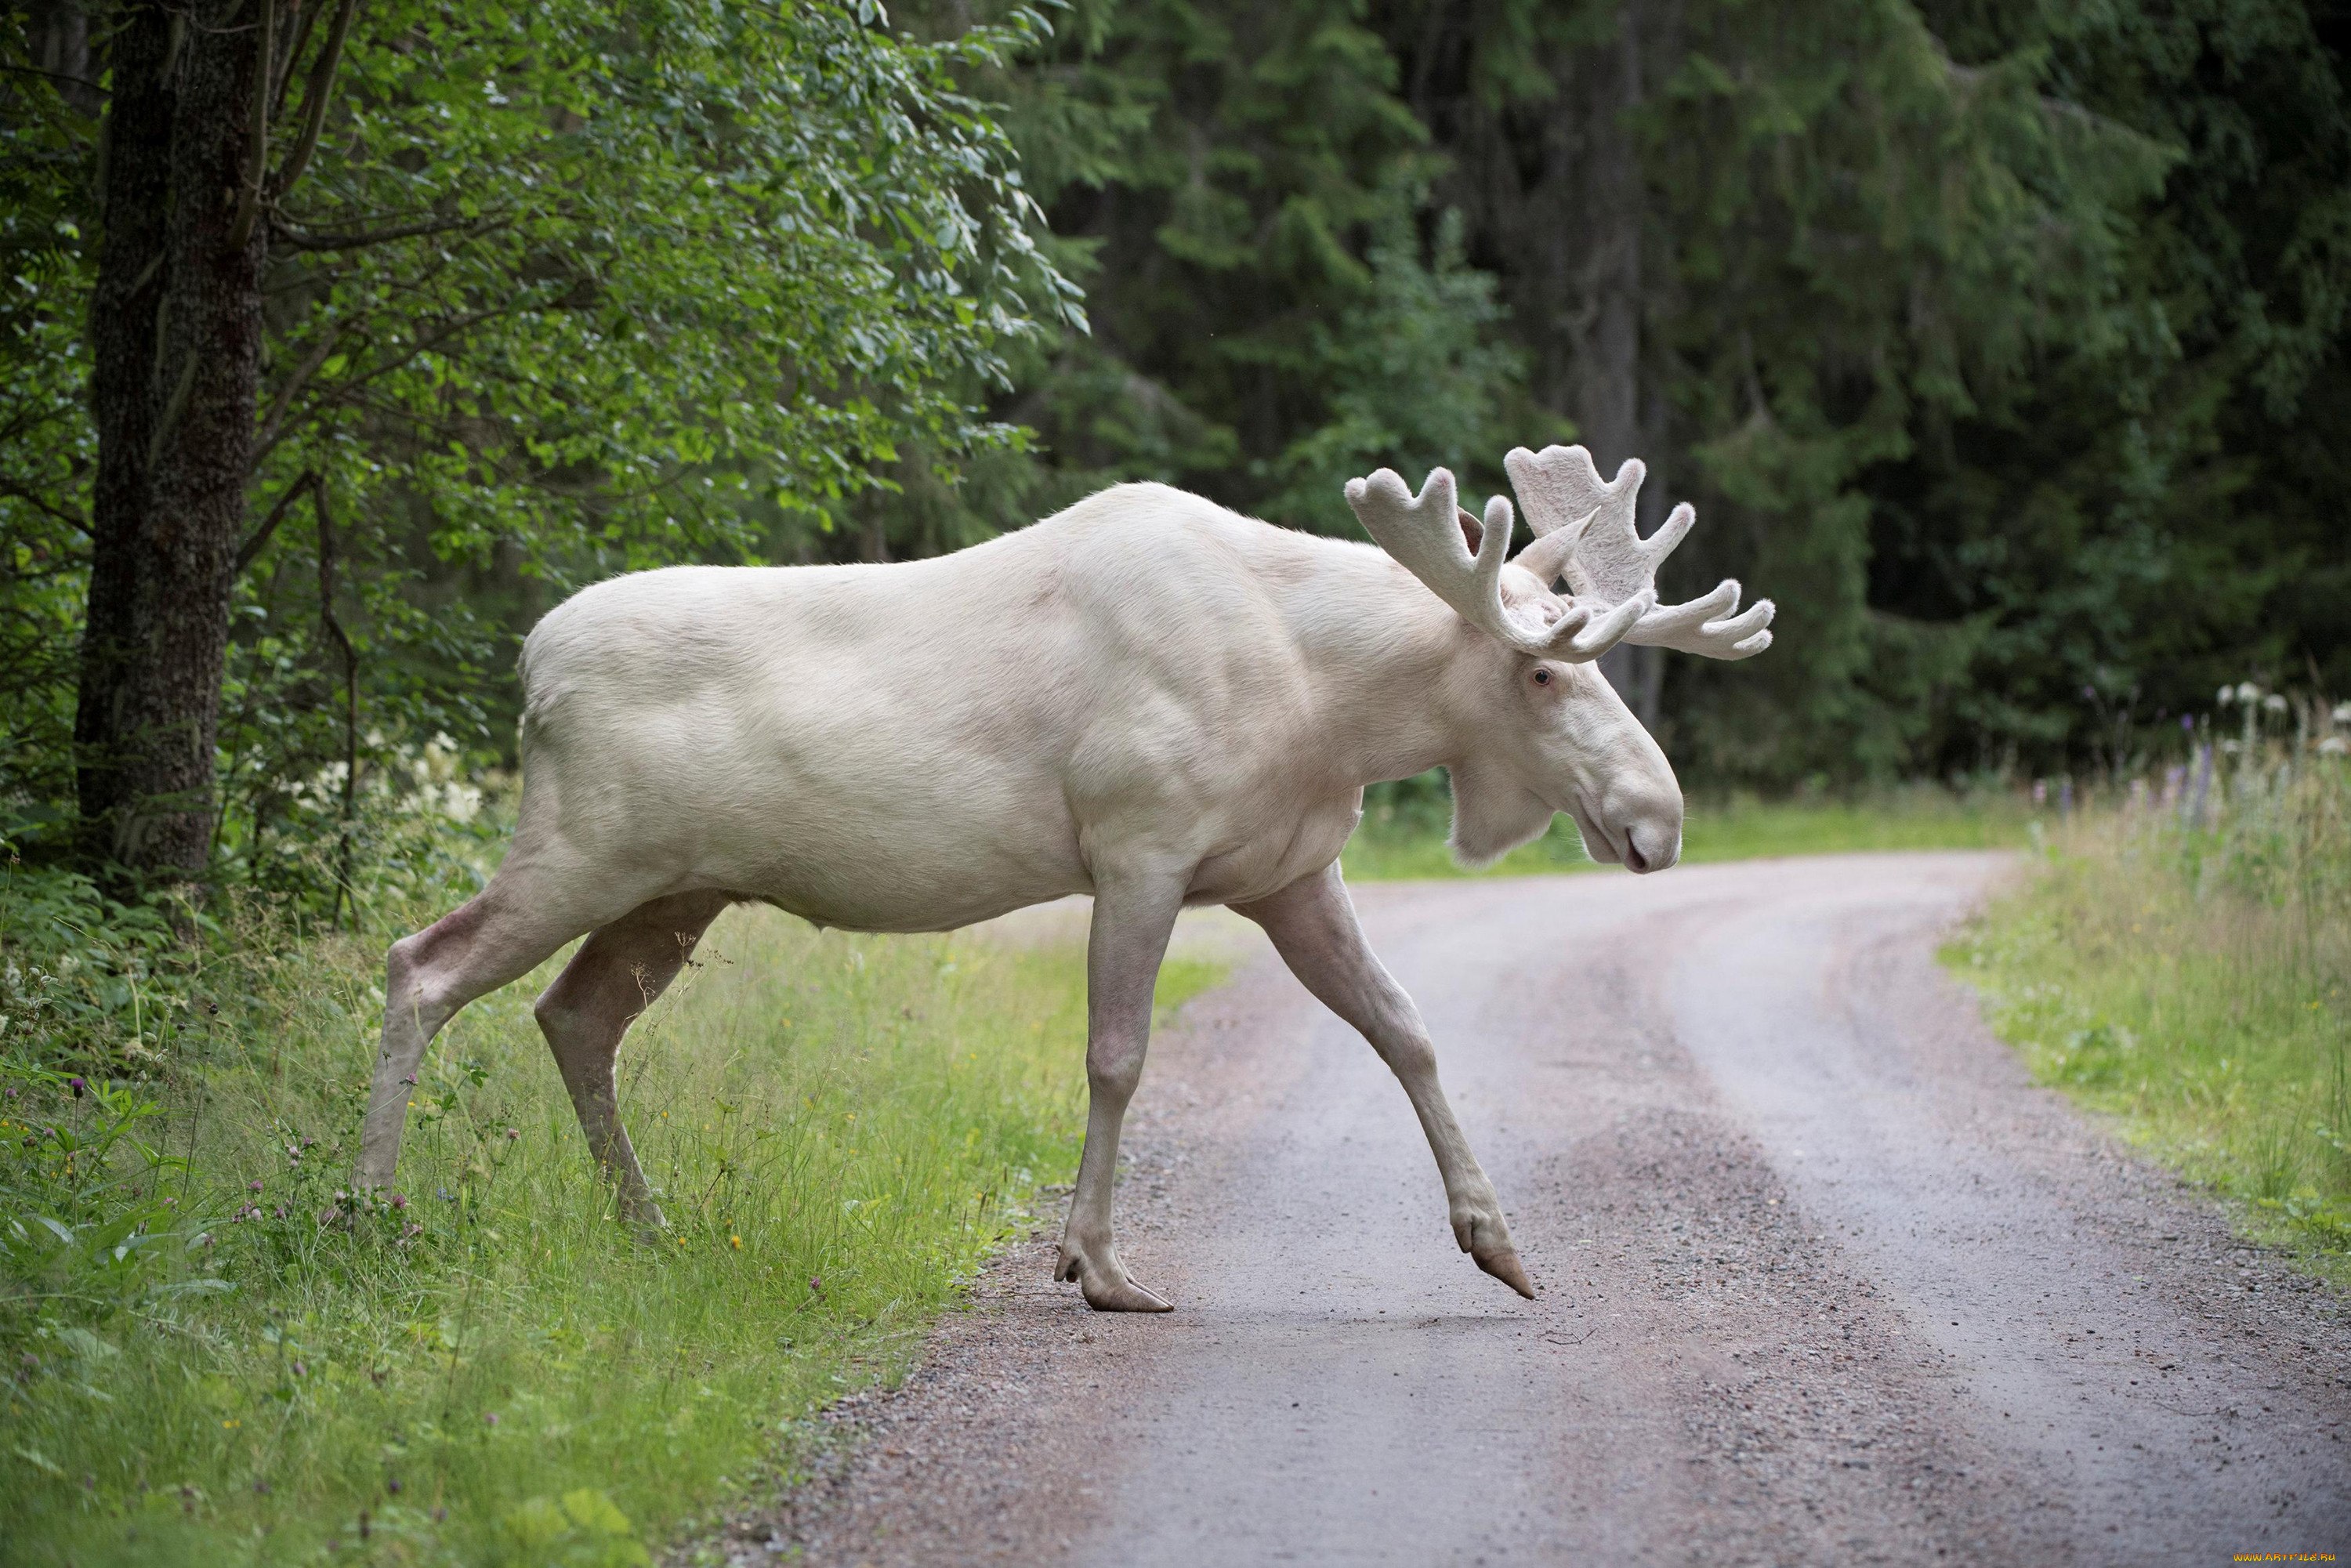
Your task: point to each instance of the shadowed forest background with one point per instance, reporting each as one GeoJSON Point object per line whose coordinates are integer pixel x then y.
{"type": "Point", "coordinates": [2000, 344]}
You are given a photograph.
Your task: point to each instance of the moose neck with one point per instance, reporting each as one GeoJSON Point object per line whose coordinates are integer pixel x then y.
{"type": "Point", "coordinates": [1394, 672]}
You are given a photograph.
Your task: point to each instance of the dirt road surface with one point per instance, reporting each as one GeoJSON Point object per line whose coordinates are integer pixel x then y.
{"type": "Point", "coordinates": [1824, 1279]}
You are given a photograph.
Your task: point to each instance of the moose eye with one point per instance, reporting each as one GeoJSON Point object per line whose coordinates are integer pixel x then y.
{"type": "Point", "coordinates": [1542, 677]}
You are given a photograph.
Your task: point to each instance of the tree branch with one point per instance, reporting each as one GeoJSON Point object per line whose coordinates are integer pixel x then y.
{"type": "Point", "coordinates": [252, 548]}
{"type": "Point", "coordinates": [334, 628]}
{"type": "Point", "coordinates": [293, 387]}
{"type": "Point", "coordinates": [314, 101]}
{"type": "Point", "coordinates": [176, 405]}
{"type": "Point", "coordinates": [256, 151]}
{"type": "Point", "coordinates": [344, 392]}
{"type": "Point", "coordinates": [296, 239]}
{"type": "Point", "coordinates": [306, 19]}
{"type": "Point", "coordinates": [55, 76]}
{"type": "Point", "coordinates": [30, 498]}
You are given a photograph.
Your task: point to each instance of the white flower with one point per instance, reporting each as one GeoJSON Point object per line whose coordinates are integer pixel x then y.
{"type": "Point", "coordinates": [2226, 695]}
{"type": "Point", "coordinates": [2342, 714]}
{"type": "Point", "coordinates": [2333, 746]}
{"type": "Point", "coordinates": [2275, 703]}
{"type": "Point", "coordinates": [2248, 693]}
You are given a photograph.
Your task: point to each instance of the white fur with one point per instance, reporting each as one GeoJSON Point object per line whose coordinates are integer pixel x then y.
{"type": "Point", "coordinates": [1146, 697]}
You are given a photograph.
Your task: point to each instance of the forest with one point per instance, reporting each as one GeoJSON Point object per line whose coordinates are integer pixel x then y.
{"type": "Point", "coordinates": [2001, 342]}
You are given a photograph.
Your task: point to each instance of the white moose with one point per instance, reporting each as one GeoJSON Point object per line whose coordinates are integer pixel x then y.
{"type": "Point", "coordinates": [1146, 697]}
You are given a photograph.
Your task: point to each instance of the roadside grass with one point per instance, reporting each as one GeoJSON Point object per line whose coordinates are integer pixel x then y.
{"type": "Point", "coordinates": [2195, 984]}
{"type": "Point", "coordinates": [1403, 836]}
{"type": "Point", "coordinates": [216, 1355]}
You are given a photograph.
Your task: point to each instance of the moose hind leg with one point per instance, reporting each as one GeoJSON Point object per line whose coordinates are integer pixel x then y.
{"type": "Point", "coordinates": [500, 935]}
{"type": "Point", "coordinates": [613, 979]}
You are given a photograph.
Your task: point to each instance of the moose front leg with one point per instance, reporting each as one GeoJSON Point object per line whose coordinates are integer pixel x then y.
{"type": "Point", "coordinates": [1132, 919]}
{"type": "Point", "coordinates": [1313, 926]}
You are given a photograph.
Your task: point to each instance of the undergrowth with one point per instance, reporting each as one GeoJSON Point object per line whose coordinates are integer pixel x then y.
{"type": "Point", "coordinates": [2193, 979]}
{"type": "Point", "coordinates": [216, 1353]}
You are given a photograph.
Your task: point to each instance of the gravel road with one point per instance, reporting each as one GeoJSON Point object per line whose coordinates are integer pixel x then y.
{"type": "Point", "coordinates": [1824, 1279]}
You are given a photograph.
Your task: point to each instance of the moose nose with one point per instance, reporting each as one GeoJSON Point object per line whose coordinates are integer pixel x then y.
{"type": "Point", "coordinates": [1647, 849]}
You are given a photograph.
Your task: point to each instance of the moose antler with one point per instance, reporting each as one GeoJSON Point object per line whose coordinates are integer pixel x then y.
{"type": "Point", "coordinates": [1584, 530]}
{"type": "Point", "coordinates": [1429, 535]}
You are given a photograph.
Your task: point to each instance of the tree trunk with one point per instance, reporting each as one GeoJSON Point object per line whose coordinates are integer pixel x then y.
{"type": "Point", "coordinates": [1558, 207]}
{"type": "Point", "coordinates": [1605, 400]}
{"type": "Point", "coordinates": [175, 336]}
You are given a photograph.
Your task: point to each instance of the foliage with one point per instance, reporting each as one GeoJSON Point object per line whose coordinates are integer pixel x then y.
{"type": "Point", "coordinates": [566, 289]}
{"type": "Point", "coordinates": [1872, 243]}
{"type": "Point", "coordinates": [218, 1354]}
{"type": "Point", "coordinates": [46, 449]}
{"type": "Point", "coordinates": [1275, 304]}
{"type": "Point", "coordinates": [2193, 977]}
{"type": "Point", "coordinates": [2143, 518]}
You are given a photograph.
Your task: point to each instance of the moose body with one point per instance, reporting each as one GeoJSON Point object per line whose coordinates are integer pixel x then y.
{"type": "Point", "coordinates": [1147, 698]}
{"type": "Point", "coordinates": [919, 746]}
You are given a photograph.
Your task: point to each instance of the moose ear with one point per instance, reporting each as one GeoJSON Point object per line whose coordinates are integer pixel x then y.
{"type": "Point", "coordinates": [1473, 532]}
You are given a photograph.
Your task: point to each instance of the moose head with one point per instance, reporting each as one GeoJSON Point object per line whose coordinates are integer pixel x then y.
{"type": "Point", "coordinates": [1567, 742]}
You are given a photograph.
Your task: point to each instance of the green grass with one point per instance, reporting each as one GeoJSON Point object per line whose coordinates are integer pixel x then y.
{"type": "Point", "coordinates": [493, 1371]}
{"type": "Point", "coordinates": [1398, 842]}
{"type": "Point", "coordinates": [2196, 986]}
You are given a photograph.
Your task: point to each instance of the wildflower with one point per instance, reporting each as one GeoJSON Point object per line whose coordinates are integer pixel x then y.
{"type": "Point", "coordinates": [2333, 746]}
{"type": "Point", "coordinates": [399, 1200]}
{"type": "Point", "coordinates": [489, 1417]}
{"type": "Point", "coordinates": [76, 1085]}
{"type": "Point", "coordinates": [2275, 703]}
{"type": "Point", "coordinates": [254, 1185]}
{"type": "Point", "coordinates": [737, 1241]}
{"type": "Point", "coordinates": [2248, 693]}
{"type": "Point", "coordinates": [2342, 714]}
{"type": "Point", "coordinates": [513, 1133]}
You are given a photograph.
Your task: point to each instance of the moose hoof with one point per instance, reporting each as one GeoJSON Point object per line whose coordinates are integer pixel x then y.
{"type": "Point", "coordinates": [1124, 1296]}
{"type": "Point", "coordinates": [645, 1219]}
{"type": "Point", "coordinates": [1504, 1265]}
{"type": "Point", "coordinates": [1106, 1291]}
